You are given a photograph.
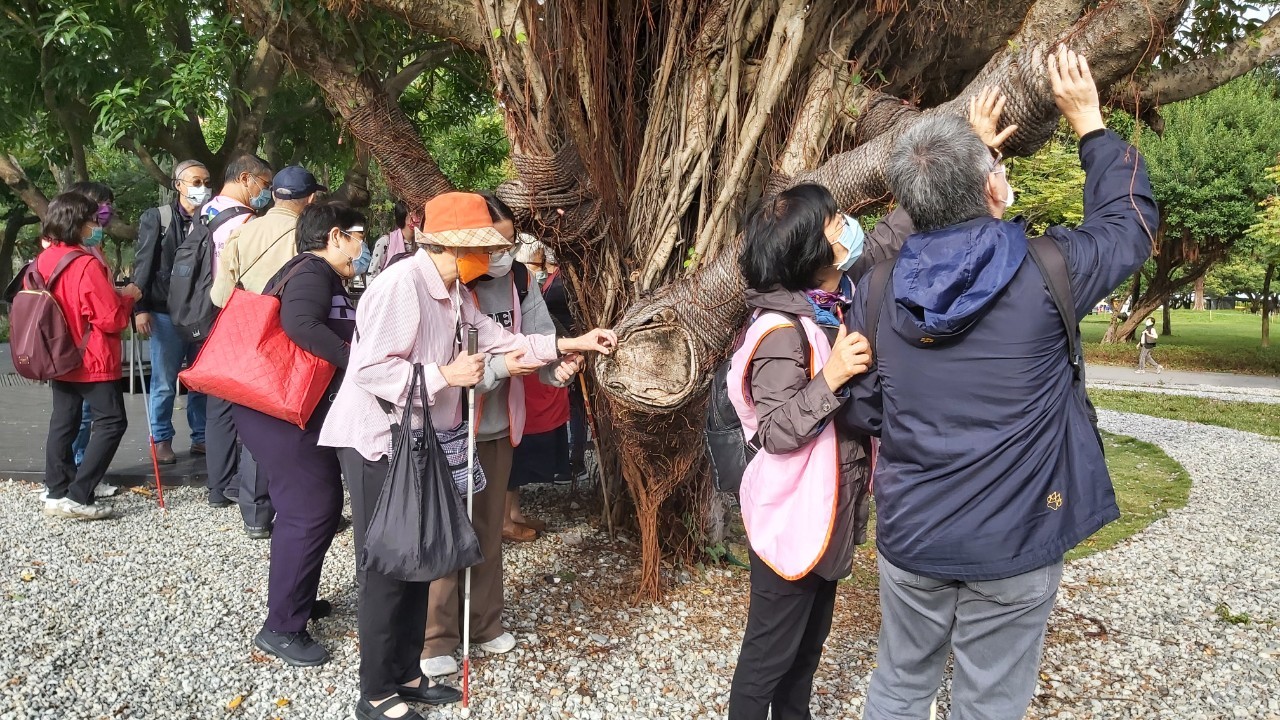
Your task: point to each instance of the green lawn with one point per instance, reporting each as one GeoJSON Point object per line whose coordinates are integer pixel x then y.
{"type": "Point", "coordinates": [1148, 485]}
{"type": "Point", "coordinates": [1221, 341]}
{"type": "Point", "coordinates": [1261, 418]}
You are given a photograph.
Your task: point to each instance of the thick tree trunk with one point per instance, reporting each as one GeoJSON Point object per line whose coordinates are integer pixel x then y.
{"type": "Point", "coordinates": [1166, 328]}
{"type": "Point", "coordinates": [1199, 301]}
{"type": "Point", "coordinates": [16, 220]}
{"type": "Point", "coordinates": [638, 178]}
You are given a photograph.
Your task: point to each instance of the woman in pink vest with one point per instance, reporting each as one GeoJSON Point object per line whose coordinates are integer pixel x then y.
{"type": "Point", "coordinates": [805, 495]}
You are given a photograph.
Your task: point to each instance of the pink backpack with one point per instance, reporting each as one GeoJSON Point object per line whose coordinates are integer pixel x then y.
{"type": "Point", "coordinates": [39, 337]}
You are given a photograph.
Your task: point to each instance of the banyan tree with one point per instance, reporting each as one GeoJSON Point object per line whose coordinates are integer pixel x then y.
{"type": "Point", "coordinates": [641, 130]}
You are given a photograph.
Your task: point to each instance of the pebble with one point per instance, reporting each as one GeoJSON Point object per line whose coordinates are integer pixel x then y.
{"type": "Point", "coordinates": [152, 615]}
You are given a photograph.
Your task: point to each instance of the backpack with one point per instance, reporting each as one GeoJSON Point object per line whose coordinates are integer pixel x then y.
{"type": "Point", "coordinates": [40, 338]}
{"type": "Point", "coordinates": [1048, 257]}
{"type": "Point", "coordinates": [727, 447]}
{"type": "Point", "coordinates": [192, 277]}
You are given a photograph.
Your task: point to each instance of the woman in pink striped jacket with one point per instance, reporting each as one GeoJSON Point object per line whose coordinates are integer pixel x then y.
{"type": "Point", "coordinates": [414, 313]}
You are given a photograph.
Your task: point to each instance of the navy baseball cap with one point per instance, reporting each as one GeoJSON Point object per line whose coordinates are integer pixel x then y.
{"type": "Point", "coordinates": [295, 182]}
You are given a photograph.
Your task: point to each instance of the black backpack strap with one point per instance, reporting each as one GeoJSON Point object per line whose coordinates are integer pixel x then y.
{"type": "Point", "coordinates": [520, 275]}
{"type": "Point", "coordinates": [1053, 266]}
{"type": "Point", "coordinates": [223, 217]}
{"type": "Point", "coordinates": [877, 286]}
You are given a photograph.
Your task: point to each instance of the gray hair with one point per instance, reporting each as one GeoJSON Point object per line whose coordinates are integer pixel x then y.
{"type": "Point", "coordinates": [186, 165]}
{"type": "Point", "coordinates": [938, 172]}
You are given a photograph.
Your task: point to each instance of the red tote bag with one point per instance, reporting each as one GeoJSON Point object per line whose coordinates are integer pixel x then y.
{"type": "Point", "coordinates": [248, 360]}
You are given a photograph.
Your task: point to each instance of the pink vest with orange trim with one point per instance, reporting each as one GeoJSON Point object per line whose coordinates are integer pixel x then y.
{"type": "Point", "coordinates": [788, 500]}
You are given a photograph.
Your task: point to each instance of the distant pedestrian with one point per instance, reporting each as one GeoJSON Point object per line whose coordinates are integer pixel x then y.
{"type": "Point", "coordinates": [1145, 345]}
{"type": "Point", "coordinates": [92, 307]}
{"type": "Point", "coordinates": [398, 241]}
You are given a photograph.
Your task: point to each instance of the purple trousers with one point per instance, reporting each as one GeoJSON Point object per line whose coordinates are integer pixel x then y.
{"type": "Point", "coordinates": [304, 483]}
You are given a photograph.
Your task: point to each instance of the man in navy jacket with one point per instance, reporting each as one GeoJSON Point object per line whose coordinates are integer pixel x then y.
{"type": "Point", "coordinates": [990, 468]}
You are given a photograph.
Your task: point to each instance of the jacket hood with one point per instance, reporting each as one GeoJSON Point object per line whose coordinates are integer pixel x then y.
{"type": "Point", "coordinates": [946, 279]}
{"type": "Point", "coordinates": [779, 298]}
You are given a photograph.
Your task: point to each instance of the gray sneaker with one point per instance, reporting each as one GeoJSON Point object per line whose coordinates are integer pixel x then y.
{"type": "Point", "coordinates": [68, 508]}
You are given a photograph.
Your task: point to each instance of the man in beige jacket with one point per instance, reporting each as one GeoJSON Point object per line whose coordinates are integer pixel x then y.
{"type": "Point", "coordinates": [254, 253]}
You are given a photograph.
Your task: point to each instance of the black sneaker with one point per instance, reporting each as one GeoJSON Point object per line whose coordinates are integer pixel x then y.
{"type": "Point", "coordinates": [365, 710]}
{"type": "Point", "coordinates": [218, 500]}
{"type": "Point", "coordinates": [296, 648]}
{"type": "Point", "coordinates": [321, 609]}
{"type": "Point", "coordinates": [257, 533]}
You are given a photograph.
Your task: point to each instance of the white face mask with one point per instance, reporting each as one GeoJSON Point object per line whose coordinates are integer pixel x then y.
{"type": "Point", "coordinates": [199, 195]}
{"type": "Point", "coordinates": [1008, 199]}
{"type": "Point", "coordinates": [500, 264]}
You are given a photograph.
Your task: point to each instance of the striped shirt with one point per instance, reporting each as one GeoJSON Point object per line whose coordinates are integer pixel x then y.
{"type": "Point", "coordinates": [408, 316]}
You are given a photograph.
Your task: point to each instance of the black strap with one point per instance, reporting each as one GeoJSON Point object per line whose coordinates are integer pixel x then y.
{"type": "Point", "coordinates": [263, 254]}
{"type": "Point", "coordinates": [1053, 266]}
{"type": "Point", "coordinates": [225, 216]}
{"type": "Point", "coordinates": [877, 286]}
{"type": "Point", "coordinates": [278, 289]}
{"type": "Point", "coordinates": [520, 275]}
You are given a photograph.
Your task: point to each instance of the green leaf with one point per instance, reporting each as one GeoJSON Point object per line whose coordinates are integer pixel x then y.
{"type": "Point", "coordinates": [497, 33]}
{"type": "Point", "coordinates": [521, 38]}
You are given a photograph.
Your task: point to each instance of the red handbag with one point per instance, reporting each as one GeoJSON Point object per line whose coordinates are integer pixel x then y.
{"type": "Point", "coordinates": [248, 360]}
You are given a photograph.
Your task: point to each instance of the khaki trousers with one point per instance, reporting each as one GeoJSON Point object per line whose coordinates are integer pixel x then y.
{"type": "Point", "coordinates": [444, 604]}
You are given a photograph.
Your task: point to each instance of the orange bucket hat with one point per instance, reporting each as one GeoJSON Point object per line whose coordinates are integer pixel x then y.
{"type": "Point", "coordinates": [460, 219]}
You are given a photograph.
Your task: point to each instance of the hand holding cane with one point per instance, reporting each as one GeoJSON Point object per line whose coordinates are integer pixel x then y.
{"type": "Point", "coordinates": [472, 349]}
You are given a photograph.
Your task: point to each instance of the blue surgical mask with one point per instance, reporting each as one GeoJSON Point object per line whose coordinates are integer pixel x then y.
{"type": "Point", "coordinates": [95, 238]}
{"type": "Point", "coordinates": [363, 262]}
{"type": "Point", "coordinates": [852, 238]}
{"type": "Point", "coordinates": [261, 200]}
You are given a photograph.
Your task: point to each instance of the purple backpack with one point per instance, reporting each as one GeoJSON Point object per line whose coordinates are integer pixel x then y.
{"type": "Point", "coordinates": [39, 337]}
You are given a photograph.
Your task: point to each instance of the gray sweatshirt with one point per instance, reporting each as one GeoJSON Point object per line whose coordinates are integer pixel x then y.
{"type": "Point", "coordinates": [496, 299]}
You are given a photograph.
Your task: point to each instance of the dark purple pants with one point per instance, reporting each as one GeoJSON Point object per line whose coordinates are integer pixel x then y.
{"type": "Point", "coordinates": [305, 486]}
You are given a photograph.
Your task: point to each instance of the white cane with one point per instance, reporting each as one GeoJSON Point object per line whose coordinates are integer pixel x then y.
{"type": "Point", "coordinates": [472, 348]}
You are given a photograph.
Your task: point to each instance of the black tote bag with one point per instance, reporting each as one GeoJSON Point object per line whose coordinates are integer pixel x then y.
{"type": "Point", "coordinates": [419, 529]}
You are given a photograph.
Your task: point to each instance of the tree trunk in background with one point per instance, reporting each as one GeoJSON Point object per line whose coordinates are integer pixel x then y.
{"type": "Point", "coordinates": [1167, 327]}
{"type": "Point", "coordinates": [1200, 303]}
{"type": "Point", "coordinates": [1267, 304]}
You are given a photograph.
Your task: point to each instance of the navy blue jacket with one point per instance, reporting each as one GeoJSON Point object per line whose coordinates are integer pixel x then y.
{"type": "Point", "coordinates": [989, 465]}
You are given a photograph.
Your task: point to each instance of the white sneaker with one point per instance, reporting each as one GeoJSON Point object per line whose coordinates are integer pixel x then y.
{"type": "Point", "coordinates": [68, 508]}
{"type": "Point", "coordinates": [439, 666]}
{"type": "Point", "coordinates": [1141, 372]}
{"type": "Point", "coordinates": [1159, 369]}
{"type": "Point", "coordinates": [504, 643]}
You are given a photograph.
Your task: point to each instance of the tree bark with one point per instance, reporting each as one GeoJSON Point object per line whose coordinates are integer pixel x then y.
{"type": "Point", "coordinates": [1166, 327]}
{"type": "Point", "coordinates": [1199, 291]}
{"type": "Point", "coordinates": [12, 174]}
{"type": "Point", "coordinates": [14, 222]}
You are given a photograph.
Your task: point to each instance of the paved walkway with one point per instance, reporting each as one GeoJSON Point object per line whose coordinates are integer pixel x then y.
{"type": "Point", "coordinates": [1218, 386]}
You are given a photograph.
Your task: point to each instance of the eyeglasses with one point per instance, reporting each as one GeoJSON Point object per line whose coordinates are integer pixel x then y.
{"type": "Point", "coordinates": [197, 182]}
{"type": "Point", "coordinates": [997, 162]}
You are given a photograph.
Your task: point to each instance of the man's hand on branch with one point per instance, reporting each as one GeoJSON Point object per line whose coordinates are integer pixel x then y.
{"type": "Point", "coordinates": [985, 109]}
{"type": "Point", "coordinates": [1074, 91]}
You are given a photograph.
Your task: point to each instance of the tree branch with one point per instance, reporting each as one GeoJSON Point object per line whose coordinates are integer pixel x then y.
{"type": "Point", "coordinates": [433, 54]}
{"type": "Point", "coordinates": [1199, 76]}
{"type": "Point", "coordinates": [132, 145]}
{"type": "Point", "coordinates": [454, 20]}
{"type": "Point", "coordinates": [13, 176]}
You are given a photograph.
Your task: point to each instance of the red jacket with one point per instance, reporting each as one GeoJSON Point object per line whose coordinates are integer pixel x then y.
{"type": "Point", "coordinates": [90, 303]}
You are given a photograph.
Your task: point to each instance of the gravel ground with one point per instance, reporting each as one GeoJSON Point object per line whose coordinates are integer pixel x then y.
{"type": "Point", "coordinates": [152, 616]}
{"type": "Point", "coordinates": [1215, 392]}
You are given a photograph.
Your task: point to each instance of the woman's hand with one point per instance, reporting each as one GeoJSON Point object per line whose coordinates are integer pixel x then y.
{"type": "Point", "coordinates": [465, 371]}
{"type": "Point", "coordinates": [517, 367]}
{"type": "Point", "coordinates": [569, 366]}
{"type": "Point", "coordinates": [598, 340]}
{"type": "Point", "coordinates": [850, 356]}
{"type": "Point", "coordinates": [985, 109]}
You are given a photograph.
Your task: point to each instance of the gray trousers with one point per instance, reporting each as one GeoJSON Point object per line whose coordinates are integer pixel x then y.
{"type": "Point", "coordinates": [1144, 357]}
{"type": "Point", "coordinates": [995, 629]}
